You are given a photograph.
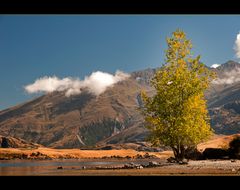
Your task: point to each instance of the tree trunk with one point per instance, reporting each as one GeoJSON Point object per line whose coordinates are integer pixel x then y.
{"type": "Point", "coordinates": [179, 153]}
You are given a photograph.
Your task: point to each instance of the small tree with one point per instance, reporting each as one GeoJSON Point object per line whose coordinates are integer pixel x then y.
{"type": "Point", "coordinates": [177, 115]}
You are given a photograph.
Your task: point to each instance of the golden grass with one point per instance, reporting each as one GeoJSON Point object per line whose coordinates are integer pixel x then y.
{"type": "Point", "coordinates": [77, 153]}
{"type": "Point", "coordinates": [217, 141]}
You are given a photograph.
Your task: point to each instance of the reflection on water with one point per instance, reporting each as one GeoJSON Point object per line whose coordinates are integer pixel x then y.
{"type": "Point", "coordinates": [27, 163]}
{"type": "Point", "coordinates": [33, 167]}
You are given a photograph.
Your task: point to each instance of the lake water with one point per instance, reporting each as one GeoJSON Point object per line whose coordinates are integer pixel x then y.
{"type": "Point", "coordinates": [49, 167]}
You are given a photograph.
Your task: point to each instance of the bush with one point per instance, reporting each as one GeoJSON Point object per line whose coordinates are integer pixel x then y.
{"type": "Point", "coordinates": [215, 153]}
{"type": "Point", "coordinates": [193, 153]}
{"type": "Point", "coordinates": [234, 148]}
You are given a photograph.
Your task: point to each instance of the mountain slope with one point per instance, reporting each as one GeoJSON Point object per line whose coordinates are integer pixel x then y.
{"type": "Point", "coordinates": [224, 99]}
{"type": "Point", "coordinates": [10, 142]}
{"type": "Point", "coordinates": [84, 120]}
{"type": "Point", "coordinates": [55, 120]}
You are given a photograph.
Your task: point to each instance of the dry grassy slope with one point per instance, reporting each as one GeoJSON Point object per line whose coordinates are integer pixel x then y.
{"type": "Point", "coordinates": [76, 153]}
{"type": "Point", "coordinates": [10, 142]}
{"type": "Point", "coordinates": [54, 120]}
{"type": "Point", "coordinates": [217, 141]}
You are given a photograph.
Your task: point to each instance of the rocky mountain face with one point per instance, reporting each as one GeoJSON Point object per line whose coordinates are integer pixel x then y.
{"type": "Point", "coordinates": [85, 120]}
{"type": "Point", "coordinates": [224, 99]}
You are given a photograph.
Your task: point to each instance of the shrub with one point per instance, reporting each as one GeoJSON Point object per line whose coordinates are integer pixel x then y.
{"type": "Point", "coordinates": [215, 153]}
{"type": "Point", "coordinates": [234, 148]}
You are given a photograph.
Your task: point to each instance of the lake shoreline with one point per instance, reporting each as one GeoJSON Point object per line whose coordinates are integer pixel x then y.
{"type": "Point", "coordinates": [112, 167]}
{"type": "Point", "coordinates": [124, 162]}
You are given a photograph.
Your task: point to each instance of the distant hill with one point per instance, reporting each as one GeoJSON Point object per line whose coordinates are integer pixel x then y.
{"type": "Point", "coordinates": [10, 142]}
{"type": "Point", "coordinates": [85, 120]}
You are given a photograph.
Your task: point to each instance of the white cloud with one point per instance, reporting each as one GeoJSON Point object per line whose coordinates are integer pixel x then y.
{"type": "Point", "coordinates": [229, 78]}
{"type": "Point", "coordinates": [237, 46]}
{"type": "Point", "coordinates": [96, 83]}
{"type": "Point", "coordinates": [215, 66]}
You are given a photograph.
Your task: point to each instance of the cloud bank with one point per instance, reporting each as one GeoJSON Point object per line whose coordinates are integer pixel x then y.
{"type": "Point", "coordinates": [215, 66]}
{"type": "Point", "coordinates": [229, 78]}
{"type": "Point", "coordinates": [237, 46]}
{"type": "Point", "coordinates": [96, 83]}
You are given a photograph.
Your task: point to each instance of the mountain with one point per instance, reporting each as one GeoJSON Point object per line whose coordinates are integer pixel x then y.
{"type": "Point", "coordinates": [55, 120]}
{"type": "Point", "coordinates": [224, 99]}
{"type": "Point", "coordinates": [112, 118]}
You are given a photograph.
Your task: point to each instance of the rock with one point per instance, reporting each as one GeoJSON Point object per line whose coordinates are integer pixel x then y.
{"type": "Point", "coordinates": [24, 156]}
{"type": "Point", "coordinates": [233, 170]}
{"type": "Point", "coordinates": [128, 157]}
{"type": "Point", "coordinates": [172, 160]}
{"type": "Point", "coordinates": [140, 167]}
{"type": "Point", "coordinates": [127, 166]}
{"type": "Point", "coordinates": [60, 168]}
{"type": "Point", "coordinates": [233, 160]}
{"type": "Point", "coordinates": [147, 155]}
{"type": "Point", "coordinates": [137, 165]}
{"type": "Point", "coordinates": [33, 154]}
{"type": "Point", "coordinates": [184, 161]}
{"type": "Point", "coordinates": [139, 156]}
{"type": "Point", "coordinates": [153, 164]}
{"type": "Point", "coordinates": [84, 167]}
{"type": "Point", "coordinates": [131, 165]}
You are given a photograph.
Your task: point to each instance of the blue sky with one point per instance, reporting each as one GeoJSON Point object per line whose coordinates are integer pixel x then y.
{"type": "Point", "coordinates": [33, 46]}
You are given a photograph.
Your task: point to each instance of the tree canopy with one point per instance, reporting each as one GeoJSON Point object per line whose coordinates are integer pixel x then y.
{"type": "Point", "coordinates": [176, 114]}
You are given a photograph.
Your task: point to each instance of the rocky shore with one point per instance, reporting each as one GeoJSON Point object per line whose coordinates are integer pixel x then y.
{"type": "Point", "coordinates": [161, 167]}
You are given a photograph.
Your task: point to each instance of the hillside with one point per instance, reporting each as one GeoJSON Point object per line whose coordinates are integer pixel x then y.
{"type": "Point", "coordinates": [55, 120]}
{"type": "Point", "coordinates": [85, 121]}
{"type": "Point", "coordinates": [224, 99]}
{"type": "Point", "coordinates": [10, 142]}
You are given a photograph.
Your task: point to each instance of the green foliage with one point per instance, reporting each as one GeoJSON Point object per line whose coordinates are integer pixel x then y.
{"type": "Point", "coordinates": [177, 115]}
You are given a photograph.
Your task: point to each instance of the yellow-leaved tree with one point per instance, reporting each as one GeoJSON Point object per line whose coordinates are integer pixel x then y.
{"type": "Point", "coordinates": [176, 114]}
